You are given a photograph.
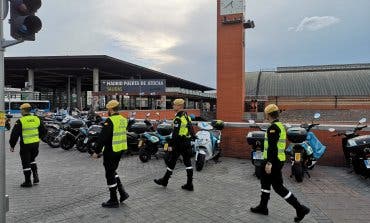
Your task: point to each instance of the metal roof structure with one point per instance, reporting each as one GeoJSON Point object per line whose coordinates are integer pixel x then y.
{"type": "Point", "coordinates": [53, 71]}
{"type": "Point", "coordinates": [311, 81]}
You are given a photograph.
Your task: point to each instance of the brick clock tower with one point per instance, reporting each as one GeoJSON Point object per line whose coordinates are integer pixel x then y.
{"type": "Point", "coordinates": [230, 59]}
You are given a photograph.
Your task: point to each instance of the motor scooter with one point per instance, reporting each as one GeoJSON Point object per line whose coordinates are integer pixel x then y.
{"type": "Point", "coordinates": [207, 143]}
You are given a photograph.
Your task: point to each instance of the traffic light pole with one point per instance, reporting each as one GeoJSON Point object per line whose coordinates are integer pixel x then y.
{"type": "Point", "coordinates": [2, 129]}
{"type": "Point", "coordinates": [33, 28]}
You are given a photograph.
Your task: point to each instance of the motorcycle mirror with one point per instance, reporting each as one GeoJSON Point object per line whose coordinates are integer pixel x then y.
{"type": "Point", "coordinates": [363, 120]}
{"type": "Point", "coordinates": [148, 114]}
{"type": "Point", "coordinates": [133, 113]}
{"type": "Point", "coordinates": [192, 116]}
{"type": "Point", "coordinates": [331, 130]}
{"type": "Point", "coordinates": [317, 115]}
{"type": "Point", "coordinates": [251, 121]}
{"type": "Point", "coordinates": [157, 113]}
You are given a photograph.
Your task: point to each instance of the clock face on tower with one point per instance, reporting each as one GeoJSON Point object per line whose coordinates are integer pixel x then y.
{"type": "Point", "coordinates": [228, 7]}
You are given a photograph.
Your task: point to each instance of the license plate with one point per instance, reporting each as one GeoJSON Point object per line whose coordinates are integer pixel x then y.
{"type": "Point", "coordinates": [85, 140]}
{"type": "Point", "coordinates": [257, 155]}
{"type": "Point", "coordinates": [297, 156]}
{"type": "Point", "coordinates": [140, 143]}
{"type": "Point", "coordinates": [367, 164]}
{"type": "Point", "coordinates": [165, 148]}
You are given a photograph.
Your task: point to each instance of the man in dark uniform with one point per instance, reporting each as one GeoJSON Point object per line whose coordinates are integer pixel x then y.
{"type": "Point", "coordinates": [274, 155]}
{"type": "Point", "coordinates": [180, 145]}
{"type": "Point", "coordinates": [113, 138]}
{"type": "Point", "coordinates": [30, 129]}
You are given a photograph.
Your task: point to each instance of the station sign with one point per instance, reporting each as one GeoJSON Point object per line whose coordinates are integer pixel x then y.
{"type": "Point", "coordinates": [134, 86]}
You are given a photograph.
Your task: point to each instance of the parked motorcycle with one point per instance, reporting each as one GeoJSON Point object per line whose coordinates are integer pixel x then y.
{"type": "Point", "coordinates": [207, 143]}
{"type": "Point", "coordinates": [152, 142]}
{"type": "Point", "coordinates": [134, 131]}
{"type": "Point", "coordinates": [356, 148]}
{"type": "Point", "coordinates": [256, 139]}
{"type": "Point", "coordinates": [304, 150]}
{"type": "Point", "coordinates": [75, 131]}
{"type": "Point", "coordinates": [89, 142]}
{"type": "Point", "coordinates": [55, 130]}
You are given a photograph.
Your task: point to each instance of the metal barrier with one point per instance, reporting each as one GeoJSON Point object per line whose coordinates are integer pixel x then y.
{"type": "Point", "coordinates": [256, 125]}
{"type": "Point", "coordinates": [319, 127]}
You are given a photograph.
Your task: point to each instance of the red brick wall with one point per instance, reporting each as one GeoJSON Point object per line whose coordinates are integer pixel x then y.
{"type": "Point", "coordinates": [230, 68]}
{"type": "Point", "coordinates": [234, 144]}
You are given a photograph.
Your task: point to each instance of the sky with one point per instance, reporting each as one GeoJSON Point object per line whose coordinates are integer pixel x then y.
{"type": "Point", "coordinates": [178, 37]}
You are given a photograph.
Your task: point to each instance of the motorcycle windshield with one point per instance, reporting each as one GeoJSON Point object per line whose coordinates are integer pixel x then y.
{"type": "Point", "coordinates": [317, 147]}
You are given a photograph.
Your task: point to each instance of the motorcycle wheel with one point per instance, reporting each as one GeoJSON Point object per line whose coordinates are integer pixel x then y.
{"type": "Point", "coordinates": [66, 143]}
{"type": "Point", "coordinates": [252, 160]}
{"type": "Point", "coordinates": [258, 171]}
{"type": "Point", "coordinates": [356, 166]}
{"type": "Point", "coordinates": [82, 149]}
{"type": "Point", "coordinates": [80, 145]}
{"type": "Point", "coordinates": [45, 139]}
{"type": "Point", "coordinates": [199, 164]}
{"type": "Point", "coordinates": [90, 150]}
{"type": "Point", "coordinates": [144, 156]}
{"type": "Point", "coordinates": [52, 141]}
{"type": "Point", "coordinates": [298, 172]}
{"type": "Point", "coordinates": [217, 157]}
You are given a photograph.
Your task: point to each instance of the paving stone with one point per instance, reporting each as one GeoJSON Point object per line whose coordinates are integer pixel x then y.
{"type": "Point", "coordinates": [72, 188]}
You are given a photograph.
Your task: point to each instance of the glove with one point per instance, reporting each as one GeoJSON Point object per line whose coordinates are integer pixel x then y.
{"type": "Point", "coordinates": [268, 167]}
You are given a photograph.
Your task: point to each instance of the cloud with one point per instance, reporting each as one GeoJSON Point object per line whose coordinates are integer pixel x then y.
{"type": "Point", "coordinates": [315, 23]}
{"type": "Point", "coordinates": [149, 29]}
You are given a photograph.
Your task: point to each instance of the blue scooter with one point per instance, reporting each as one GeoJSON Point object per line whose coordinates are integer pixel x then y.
{"type": "Point", "coordinates": [304, 150]}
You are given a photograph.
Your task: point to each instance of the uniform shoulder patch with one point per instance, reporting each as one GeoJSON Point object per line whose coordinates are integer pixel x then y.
{"type": "Point", "coordinates": [106, 123]}
{"type": "Point", "coordinates": [272, 131]}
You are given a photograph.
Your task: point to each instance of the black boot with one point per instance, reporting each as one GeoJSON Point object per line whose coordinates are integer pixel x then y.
{"type": "Point", "coordinates": [113, 201]}
{"type": "Point", "coordinates": [301, 210]}
{"type": "Point", "coordinates": [123, 194]}
{"type": "Point", "coordinates": [164, 180]}
{"type": "Point", "coordinates": [27, 177]}
{"type": "Point", "coordinates": [35, 174]}
{"type": "Point", "coordinates": [189, 184]}
{"type": "Point", "coordinates": [262, 207]}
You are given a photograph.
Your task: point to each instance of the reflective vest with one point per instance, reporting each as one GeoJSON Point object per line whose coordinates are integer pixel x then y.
{"type": "Point", "coordinates": [184, 127]}
{"type": "Point", "coordinates": [119, 140]}
{"type": "Point", "coordinates": [280, 145]}
{"type": "Point", "coordinates": [30, 129]}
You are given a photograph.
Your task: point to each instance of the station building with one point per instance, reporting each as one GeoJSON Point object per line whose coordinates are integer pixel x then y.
{"type": "Point", "coordinates": [75, 81]}
{"type": "Point", "coordinates": [340, 92]}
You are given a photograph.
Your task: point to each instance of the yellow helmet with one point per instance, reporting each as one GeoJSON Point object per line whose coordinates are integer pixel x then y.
{"type": "Point", "coordinates": [271, 108]}
{"type": "Point", "coordinates": [179, 101]}
{"type": "Point", "coordinates": [25, 105]}
{"type": "Point", "coordinates": [112, 104]}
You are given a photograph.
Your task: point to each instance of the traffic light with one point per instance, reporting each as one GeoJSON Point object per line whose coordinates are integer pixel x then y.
{"type": "Point", "coordinates": [23, 22]}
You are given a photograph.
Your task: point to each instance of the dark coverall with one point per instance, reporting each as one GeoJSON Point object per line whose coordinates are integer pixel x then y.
{"type": "Point", "coordinates": [275, 178]}
{"type": "Point", "coordinates": [110, 159]}
{"type": "Point", "coordinates": [181, 145]}
{"type": "Point", "coordinates": [28, 152]}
